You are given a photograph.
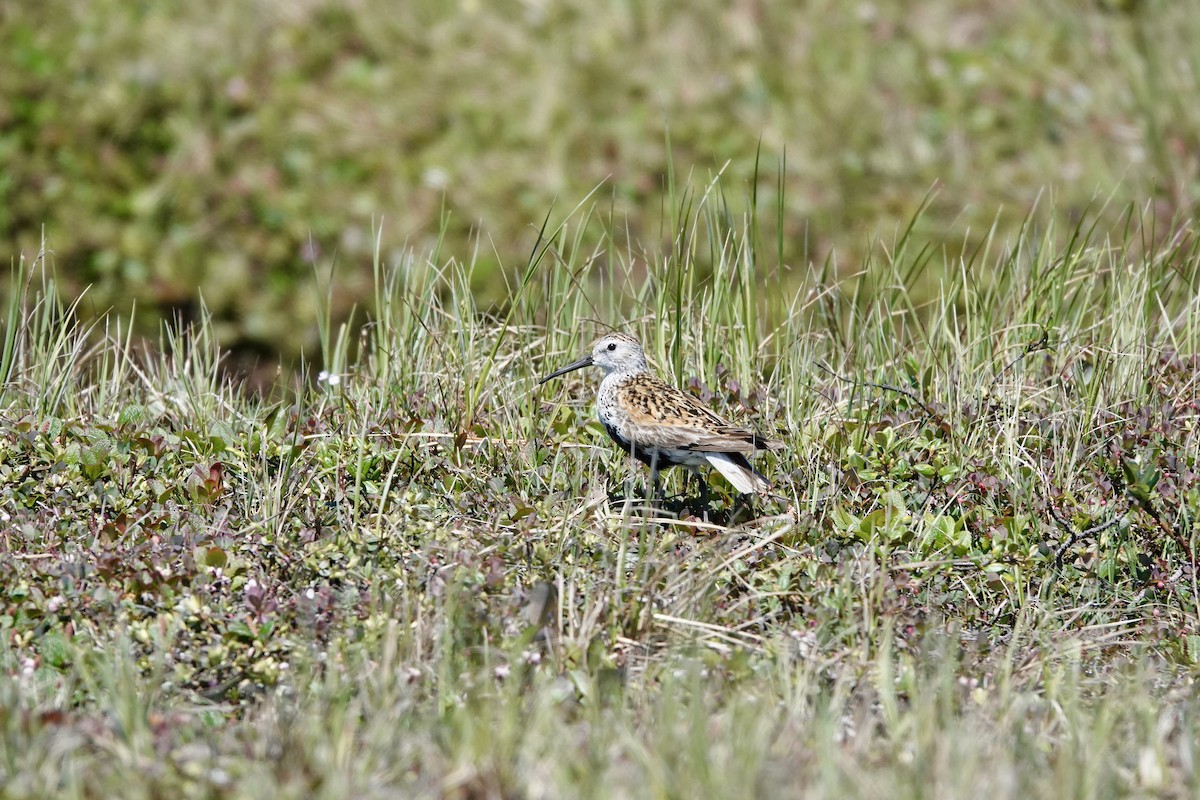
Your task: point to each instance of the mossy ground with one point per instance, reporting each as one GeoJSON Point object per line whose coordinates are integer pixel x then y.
{"type": "Point", "coordinates": [417, 574]}
{"type": "Point", "coordinates": [168, 147]}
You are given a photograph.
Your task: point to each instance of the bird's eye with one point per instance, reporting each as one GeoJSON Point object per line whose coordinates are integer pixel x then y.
{"type": "Point", "coordinates": [612, 346]}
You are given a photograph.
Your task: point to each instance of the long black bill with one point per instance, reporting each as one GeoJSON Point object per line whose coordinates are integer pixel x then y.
{"type": "Point", "coordinates": [586, 361]}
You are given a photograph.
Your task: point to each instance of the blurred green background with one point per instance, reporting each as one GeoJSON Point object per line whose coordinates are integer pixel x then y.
{"type": "Point", "coordinates": [235, 149]}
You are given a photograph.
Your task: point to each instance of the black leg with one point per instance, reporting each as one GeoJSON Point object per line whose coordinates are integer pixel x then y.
{"type": "Point", "coordinates": [703, 491]}
{"type": "Point", "coordinates": [654, 482]}
{"type": "Point", "coordinates": [743, 501]}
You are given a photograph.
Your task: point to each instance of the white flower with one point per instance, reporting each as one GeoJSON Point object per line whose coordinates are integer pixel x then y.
{"type": "Point", "coordinates": [435, 178]}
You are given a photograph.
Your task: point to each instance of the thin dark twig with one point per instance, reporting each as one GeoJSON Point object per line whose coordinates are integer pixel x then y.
{"type": "Point", "coordinates": [1147, 505]}
{"type": "Point", "coordinates": [1076, 536]}
{"type": "Point", "coordinates": [1041, 343]}
{"type": "Point", "coordinates": [911, 395]}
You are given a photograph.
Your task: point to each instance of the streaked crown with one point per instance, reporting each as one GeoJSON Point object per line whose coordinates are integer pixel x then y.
{"type": "Point", "coordinates": [620, 353]}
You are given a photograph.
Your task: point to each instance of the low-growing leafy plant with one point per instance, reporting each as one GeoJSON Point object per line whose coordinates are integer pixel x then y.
{"type": "Point", "coordinates": [418, 573]}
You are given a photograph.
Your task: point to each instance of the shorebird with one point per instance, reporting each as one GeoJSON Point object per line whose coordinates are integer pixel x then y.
{"type": "Point", "coordinates": [663, 427]}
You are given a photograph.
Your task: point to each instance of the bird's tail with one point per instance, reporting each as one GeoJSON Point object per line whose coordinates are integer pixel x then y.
{"type": "Point", "coordinates": [737, 470]}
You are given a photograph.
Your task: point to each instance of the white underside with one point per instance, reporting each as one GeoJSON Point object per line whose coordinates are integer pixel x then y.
{"type": "Point", "coordinates": [742, 479]}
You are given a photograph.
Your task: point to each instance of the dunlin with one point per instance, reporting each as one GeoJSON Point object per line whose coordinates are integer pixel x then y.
{"type": "Point", "coordinates": [664, 427]}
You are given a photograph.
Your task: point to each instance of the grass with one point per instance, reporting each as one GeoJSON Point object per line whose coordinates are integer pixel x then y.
{"type": "Point", "coordinates": [408, 575]}
{"type": "Point", "coordinates": [168, 149]}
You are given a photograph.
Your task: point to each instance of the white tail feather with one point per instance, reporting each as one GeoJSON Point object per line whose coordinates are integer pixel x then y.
{"type": "Point", "coordinates": [746, 481]}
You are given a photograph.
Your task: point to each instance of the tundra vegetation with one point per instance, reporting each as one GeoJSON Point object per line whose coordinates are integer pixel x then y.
{"type": "Point", "coordinates": [415, 572]}
{"type": "Point", "coordinates": [946, 254]}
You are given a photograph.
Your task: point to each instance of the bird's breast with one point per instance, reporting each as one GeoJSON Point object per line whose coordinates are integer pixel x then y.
{"type": "Point", "coordinates": [608, 406]}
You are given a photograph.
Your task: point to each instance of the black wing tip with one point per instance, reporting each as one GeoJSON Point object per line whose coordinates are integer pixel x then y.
{"type": "Point", "coordinates": [764, 443]}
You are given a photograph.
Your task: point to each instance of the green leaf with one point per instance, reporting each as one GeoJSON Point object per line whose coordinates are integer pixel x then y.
{"type": "Point", "coordinates": [925, 470]}
{"type": "Point", "coordinates": [131, 415]}
{"type": "Point", "coordinates": [55, 650]}
{"type": "Point", "coordinates": [240, 630]}
{"type": "Point", "coordinates": [212, 556]}
{"type": "Point", "coordinates": [221, 436]}
{"type": "Point", "coordinates": [1193, 648]}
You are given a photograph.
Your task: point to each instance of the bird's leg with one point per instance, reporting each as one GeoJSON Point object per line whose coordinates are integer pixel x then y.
{"type": "Point", "coordinates": [743, 501]}
{"type": "Point", "coordinates": [657, 487]}
{"type": "Point", "coordinates": [703, 492]}
{"type": "Point", "coordinates": [627, 506]}
{"type": "Point", "coordinates": [629, 473]}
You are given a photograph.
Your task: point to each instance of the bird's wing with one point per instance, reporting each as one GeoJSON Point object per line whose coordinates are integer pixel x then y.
{"type": "Point", "coordinates": [662, 415]}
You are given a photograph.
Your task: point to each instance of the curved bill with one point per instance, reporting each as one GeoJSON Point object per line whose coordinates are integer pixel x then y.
{"type": "Point", "coordinates": [586, 361]}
